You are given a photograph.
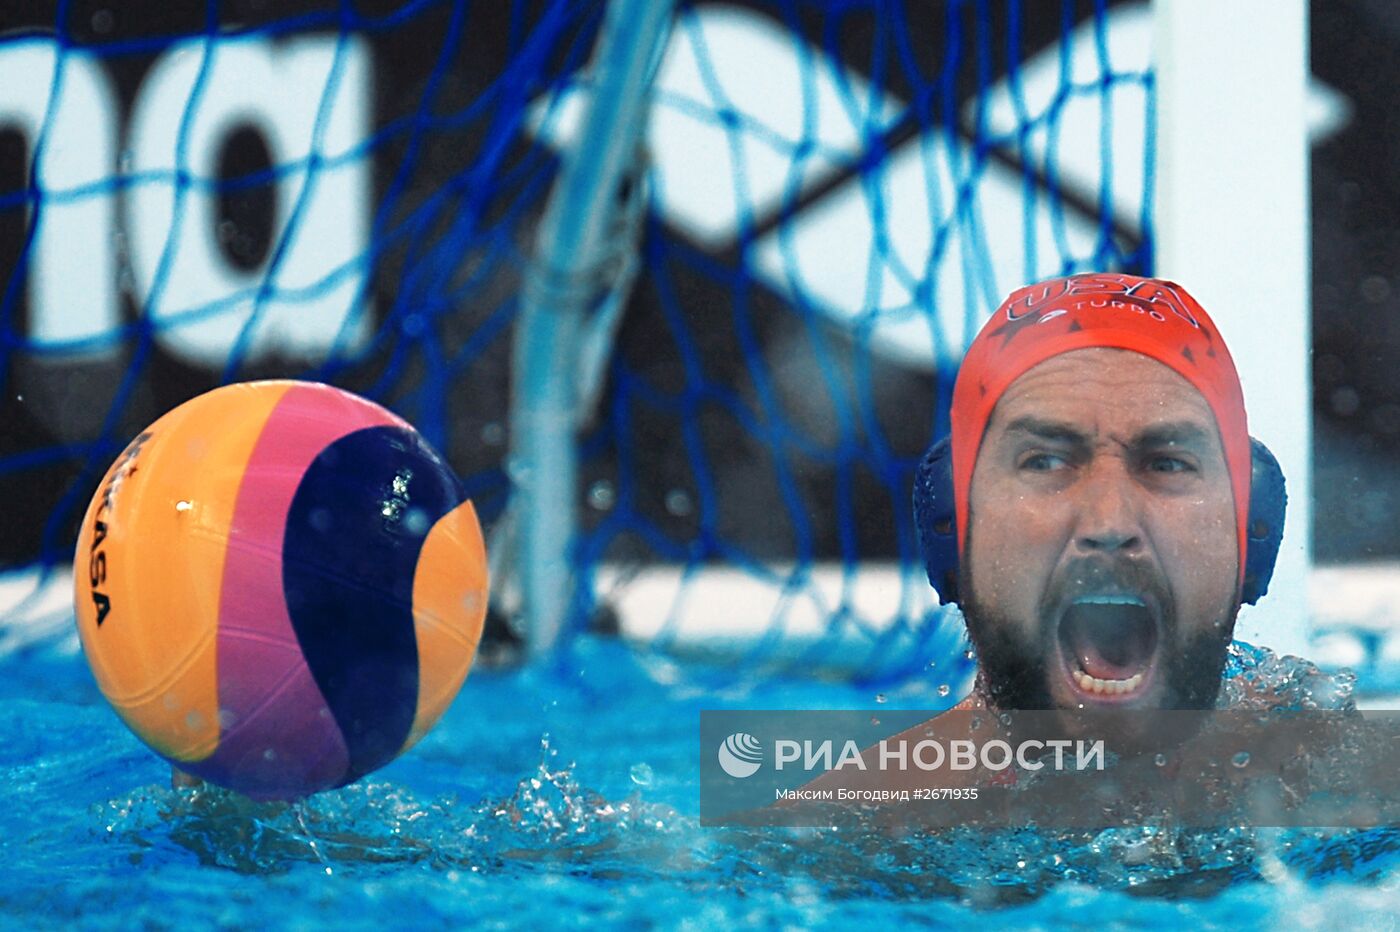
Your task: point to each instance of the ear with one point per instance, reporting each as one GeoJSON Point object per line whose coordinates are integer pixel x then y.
{"type": "Point", "coordinates": [1268, 501]}
{"type": "Point", "coordinates": [935, 520]}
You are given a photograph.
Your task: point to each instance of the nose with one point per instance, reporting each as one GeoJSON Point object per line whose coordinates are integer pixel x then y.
{"type": "Point", "coordinates": [1109, 519]}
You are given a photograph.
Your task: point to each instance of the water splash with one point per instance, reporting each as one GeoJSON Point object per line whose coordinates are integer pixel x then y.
{"type": "Point", "coordinates": [590, 833]}
{"type": "Point", "coordinates": [548, 815]}
{"type": "Point", "coordinates": [551, 819]}
{"type": "Point", "coordinates": [1257, 678]}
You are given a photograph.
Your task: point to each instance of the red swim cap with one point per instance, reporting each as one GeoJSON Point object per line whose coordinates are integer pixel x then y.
{"type": "Point", "coordinates": [1149, 316]}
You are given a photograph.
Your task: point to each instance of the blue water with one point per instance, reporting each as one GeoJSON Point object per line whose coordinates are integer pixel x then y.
{"type": "Point", "coordinates": [570, 797]}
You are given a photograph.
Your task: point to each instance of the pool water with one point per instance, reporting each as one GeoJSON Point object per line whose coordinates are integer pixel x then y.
{"type": "Point", "coordinates": [569, 796]}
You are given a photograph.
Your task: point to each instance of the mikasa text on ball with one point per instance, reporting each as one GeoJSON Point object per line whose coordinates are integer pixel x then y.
{"type": "Point", "coordinates": [280, 587]}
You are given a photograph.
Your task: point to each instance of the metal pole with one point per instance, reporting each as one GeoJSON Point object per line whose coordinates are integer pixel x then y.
{"type": "Point", "coordinates": [557, 296]}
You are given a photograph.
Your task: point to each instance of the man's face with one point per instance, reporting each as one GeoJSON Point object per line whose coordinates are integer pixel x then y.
{"type": "Point", "coordinates": [1102, 559]}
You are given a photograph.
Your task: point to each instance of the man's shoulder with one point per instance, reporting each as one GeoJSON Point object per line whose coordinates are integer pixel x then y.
{"type": "Point", "coordinates": [972, 702]}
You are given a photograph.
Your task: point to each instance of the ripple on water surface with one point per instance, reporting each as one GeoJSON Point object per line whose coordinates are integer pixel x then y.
{"type": "Point", "coordinates": [488, 820]}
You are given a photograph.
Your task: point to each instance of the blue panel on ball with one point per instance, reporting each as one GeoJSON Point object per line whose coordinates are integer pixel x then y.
{"type": "Point", "coordinates": [354, 534]}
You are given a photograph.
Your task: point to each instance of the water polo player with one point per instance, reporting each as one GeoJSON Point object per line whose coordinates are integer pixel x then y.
{"type": "Point", "coordinates": [1091, 511]}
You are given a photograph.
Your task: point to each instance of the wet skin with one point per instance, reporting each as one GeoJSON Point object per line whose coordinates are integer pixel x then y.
{"type": "Point", "coordinates": [1102, 539]}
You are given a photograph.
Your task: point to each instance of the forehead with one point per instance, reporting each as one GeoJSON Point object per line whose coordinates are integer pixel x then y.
{"type": "Point", "coordinates": [1103, 389]}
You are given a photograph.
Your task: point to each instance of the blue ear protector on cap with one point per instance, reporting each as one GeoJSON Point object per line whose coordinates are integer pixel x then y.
{"type": "Point", "coordinates": [935, 520]}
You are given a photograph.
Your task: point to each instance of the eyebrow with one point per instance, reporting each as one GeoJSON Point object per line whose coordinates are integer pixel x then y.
{"type": "Point", "coordinates": [1046, 429]}
{"type": "Point", "coordinates": [1173, 433]}
{"type": "Point", "coordinates": [1168, 433]}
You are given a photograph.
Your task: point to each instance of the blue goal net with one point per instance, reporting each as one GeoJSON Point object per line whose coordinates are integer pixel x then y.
{"type": "Point", "coordinates": [826, 202]}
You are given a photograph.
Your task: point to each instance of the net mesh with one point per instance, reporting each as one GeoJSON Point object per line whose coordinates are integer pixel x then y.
{"type": "Point", "coordinates": [835, 196]}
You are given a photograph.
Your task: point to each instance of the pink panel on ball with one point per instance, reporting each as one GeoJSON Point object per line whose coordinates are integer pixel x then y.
{"type": "Point", "coordinates": [279, 739]}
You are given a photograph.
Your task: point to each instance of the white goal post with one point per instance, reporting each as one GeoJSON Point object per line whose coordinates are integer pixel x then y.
{"type": "Point", "coordinates": [1232, 210]}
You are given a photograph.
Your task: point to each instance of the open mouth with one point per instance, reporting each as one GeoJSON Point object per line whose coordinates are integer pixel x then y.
{"type": "Point", "coordinates": [1109, 643]}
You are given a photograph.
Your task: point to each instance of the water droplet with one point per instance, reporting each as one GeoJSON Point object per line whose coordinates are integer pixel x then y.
{"type": "Point", "coordinates": [519, 470]}
{"type": "Point", "coordinates": [970, 654]}
{"type": "Point", "coordinates": [944, 689]}
{"type": "Point", "coordinates": [601, 495]}
{"type": "Point", "coordinates": [183, 506]}
{"type": "Point", "coordinates": [1160, 760]}
{"type": "Point", "coordinates": [678, 503]}
{"type": "Point", "coordinates": [641, 774]}
{"type": "Point", "coordinates": [19, 398]}
{"type": "Point", "coordinates": [1241, 759]}
{"type": "Point", "coordinates": [416, 522]}
{"type": "Point", "coordinates": [881, 698]}
{"type": "Point", "coordinates": [1020, 863]}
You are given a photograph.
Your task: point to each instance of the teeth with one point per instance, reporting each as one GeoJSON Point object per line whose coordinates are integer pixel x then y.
{"type": "Point", "coordinates": [1109, 600]}
{"type": "Point", "coordinates": [1092, 684]}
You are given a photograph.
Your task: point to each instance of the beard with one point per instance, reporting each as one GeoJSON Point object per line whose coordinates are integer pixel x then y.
{"type": "Point", "coordinates": [1015, 665]}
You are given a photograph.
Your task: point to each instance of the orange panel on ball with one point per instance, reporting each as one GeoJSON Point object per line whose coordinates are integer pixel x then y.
{"type": "Point", "coordinates": [152, 547]}
{"type": "Point", "coordinates": [449, 608]}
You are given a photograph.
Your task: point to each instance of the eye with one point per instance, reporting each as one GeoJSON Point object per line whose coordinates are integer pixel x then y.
{"type": "Point", "coordinates": [1043, 462]}
{"type": "Point", "coordinates": [1170, 464]}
